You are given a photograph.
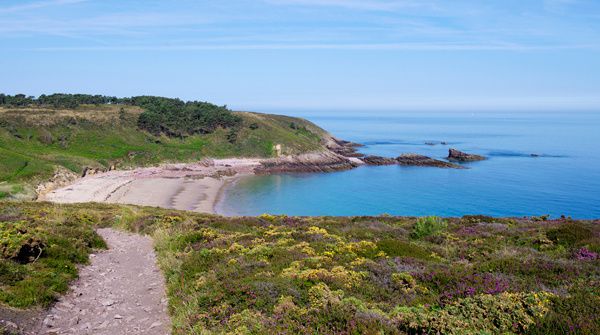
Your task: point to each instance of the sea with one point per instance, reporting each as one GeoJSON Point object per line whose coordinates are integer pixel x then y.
{"type": "Point", "coordinates": [539, 163]}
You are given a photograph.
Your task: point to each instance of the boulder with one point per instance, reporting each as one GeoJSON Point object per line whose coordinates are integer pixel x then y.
{"type": "Point", "coordinates": [459, 156]}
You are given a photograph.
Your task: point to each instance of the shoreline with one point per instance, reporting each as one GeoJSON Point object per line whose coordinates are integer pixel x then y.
{"type": "Point", "coordinates": [200, 186]}
{"type": "Point", "coordinates": [194, 187]}
{"type": "Point", "coordinates": [220, 196]}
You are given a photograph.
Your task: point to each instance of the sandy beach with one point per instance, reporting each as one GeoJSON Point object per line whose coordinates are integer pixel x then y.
{"type": "Point", "coordinates": [193, 187]}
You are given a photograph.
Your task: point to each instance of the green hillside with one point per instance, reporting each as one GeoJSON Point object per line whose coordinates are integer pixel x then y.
{"type": "Point", "coordinates": [34, 140]}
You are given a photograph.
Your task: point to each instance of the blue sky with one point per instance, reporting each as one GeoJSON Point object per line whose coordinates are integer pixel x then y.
{"type": "Point", "coordinates": [310, 54]}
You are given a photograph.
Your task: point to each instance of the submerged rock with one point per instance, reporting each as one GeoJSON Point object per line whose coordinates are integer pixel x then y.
{"type": "Point", "coordinates": [459, 156]}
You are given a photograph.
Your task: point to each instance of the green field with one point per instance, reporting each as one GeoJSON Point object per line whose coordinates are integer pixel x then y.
{"type": "Point", "coordinates": [35, 140]}
{"type": "Point", "coordinates": [326, 275]}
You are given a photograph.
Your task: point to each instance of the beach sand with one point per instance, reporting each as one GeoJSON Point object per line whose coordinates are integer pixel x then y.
{"type": "Point", "coordinates": [193, 187]}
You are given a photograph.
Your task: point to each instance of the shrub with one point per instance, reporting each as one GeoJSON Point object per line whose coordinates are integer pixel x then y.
{"type": "Point", "coordinates": [578, 313]}
{"type": "Point", "coordinates": [45, 137]}
{"type": "Point", "coordinates": [403, 281]}
{"type": "Point", "coordinates": [321, 296]}
{"type": "Point", "coordinates": [398, 248]}
{"type": "Point", "coordinates": [246, 322]}
{"type": "Point", "coordinates": [569, 234]}
{"type": "Point", "coordinates": [428, 226]}
{"type": "Point", "coordinates": [470, 219]}
{"type": "Point", "coordinates": [481, 314]}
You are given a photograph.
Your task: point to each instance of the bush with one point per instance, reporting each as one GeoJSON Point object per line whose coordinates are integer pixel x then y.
{"type": "Point", "coordinates": [482, 314]}
{"type": "Point", "coordinates": [45, 137]}
{"type": "Point", "coordinates": [569, 234]}
{"type": "Point", "coordinates": [428, 226]}
{"type": "Point", "coordinates": [578, 313]}
{"type": "Point", "coordinates": [398, 248]}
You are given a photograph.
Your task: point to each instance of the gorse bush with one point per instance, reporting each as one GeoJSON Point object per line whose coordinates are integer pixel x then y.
{"type": "Point", "coordinates": [428, 226]}
{"type": "Point", "coordinates": [506, 313]}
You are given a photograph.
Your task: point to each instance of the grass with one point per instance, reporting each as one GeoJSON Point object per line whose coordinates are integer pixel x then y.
{"type": "Point", "coordinates": [33, 142]}
{"type": "Point", "coordinates": [326, 275]}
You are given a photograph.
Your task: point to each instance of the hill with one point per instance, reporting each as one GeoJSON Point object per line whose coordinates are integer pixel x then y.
{"type": "Point", "coordinates": [38, 138]}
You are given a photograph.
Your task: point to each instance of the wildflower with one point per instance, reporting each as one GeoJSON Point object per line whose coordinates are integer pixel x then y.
{"type": "Point", "coordinates": [584, 254]}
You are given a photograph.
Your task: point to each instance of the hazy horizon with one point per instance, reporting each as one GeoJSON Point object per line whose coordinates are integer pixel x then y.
{"type": "Point", "coordinates": [269, 55]}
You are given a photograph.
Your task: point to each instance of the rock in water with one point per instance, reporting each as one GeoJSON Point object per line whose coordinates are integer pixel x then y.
{"type": "Point", "coordinates": [459, 156]}
{"type": "Point", "coordinates": [326, 161]}
{"type": "Point", "coordinates": [378, 160]}
{"type": "Point", "coordinates": [420, 160]}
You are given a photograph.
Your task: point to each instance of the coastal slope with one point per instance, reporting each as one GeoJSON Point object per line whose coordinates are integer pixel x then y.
{"type": "Point", "coordinates": [45, 147]}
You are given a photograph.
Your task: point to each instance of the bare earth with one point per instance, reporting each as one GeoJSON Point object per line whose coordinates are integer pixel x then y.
{"type": "Point", "coordinates": [122, 291]}
{"type": "Point", "coordinates": [193, 187]}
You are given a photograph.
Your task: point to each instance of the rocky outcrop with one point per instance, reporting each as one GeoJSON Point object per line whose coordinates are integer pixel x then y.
{"type": "Point", "coordinates": [420, 160]}
{"type": "Point", "coordinates": [409, 160]}
{"type": "Point", "coordinates": [311, 162]}
{"type": "Point", "coordinates": [62, 177]}
{"type": "Point", "coordinates": [459, 156]}
{"type": "Point", "coordinates": [89, 171]}
{"type": "Point", "coordinates": [343, 148]}
{"type": "Point", "coordinates": [378, 160]}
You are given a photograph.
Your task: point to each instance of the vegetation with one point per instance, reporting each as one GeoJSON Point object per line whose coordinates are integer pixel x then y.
{"type": "Point", "coordinates": [39, 252]}
{"type": "Point", "coordinates": [174, 117]}
{"type": "Point", "coordinates": [325, 275]}
{"type": "Point", "coordinates": [37, 136]}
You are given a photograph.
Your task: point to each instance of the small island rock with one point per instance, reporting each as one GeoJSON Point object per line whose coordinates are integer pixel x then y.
{"type": "Point", "coordinates": [459, 156]}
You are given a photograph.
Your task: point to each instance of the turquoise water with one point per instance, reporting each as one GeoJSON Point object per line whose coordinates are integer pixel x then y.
{"type": "Point", "coordinates": [565, 179]}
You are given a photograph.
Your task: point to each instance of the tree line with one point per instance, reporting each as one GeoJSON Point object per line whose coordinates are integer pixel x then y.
{"type": "Point", "coordinates": [172, 117]}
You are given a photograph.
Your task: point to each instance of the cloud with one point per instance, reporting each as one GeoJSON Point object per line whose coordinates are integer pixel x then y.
{"type": "Point", "coordinates": [38, 5]}
{"type": "Point", "coordinates": [328, 46]}
{"type": "Point", "coordinates": [373, 5]}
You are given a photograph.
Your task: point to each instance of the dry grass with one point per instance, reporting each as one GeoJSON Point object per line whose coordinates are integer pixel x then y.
{"type": "Point", "coordinates": [46, 117]}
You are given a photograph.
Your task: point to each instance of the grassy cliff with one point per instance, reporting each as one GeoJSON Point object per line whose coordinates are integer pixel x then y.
{"type": "Point", "coordinates": [35, 140]}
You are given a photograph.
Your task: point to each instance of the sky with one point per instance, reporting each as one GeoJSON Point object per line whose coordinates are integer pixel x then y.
{"type": "Point", "coordinates": [310, 54]}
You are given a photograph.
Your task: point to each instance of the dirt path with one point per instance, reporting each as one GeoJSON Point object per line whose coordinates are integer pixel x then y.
{"type": "Point", "coordinates": [122, 291]}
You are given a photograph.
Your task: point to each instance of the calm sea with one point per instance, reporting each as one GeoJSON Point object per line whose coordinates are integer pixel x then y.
{"type": "Point", "coordinates": [563, 180]}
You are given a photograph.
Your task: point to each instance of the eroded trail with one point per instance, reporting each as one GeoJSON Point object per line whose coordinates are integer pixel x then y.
{"type": "Point", "coordinates": [122, 291]}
